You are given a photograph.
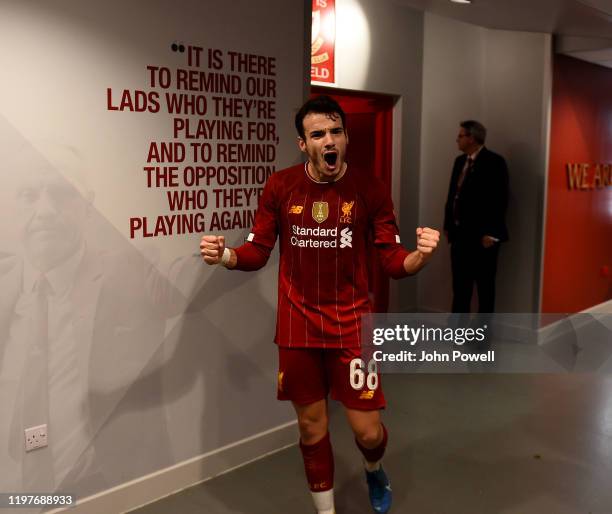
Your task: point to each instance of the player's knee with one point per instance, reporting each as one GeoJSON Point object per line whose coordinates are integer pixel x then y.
{"type": "Point", "coordinates": [312, 429]}
{"type": "Point", "coordinates": [369, 436]}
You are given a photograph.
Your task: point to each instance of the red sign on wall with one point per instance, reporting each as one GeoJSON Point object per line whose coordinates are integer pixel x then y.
{"type": "Point", "coordinates": [323, 40]}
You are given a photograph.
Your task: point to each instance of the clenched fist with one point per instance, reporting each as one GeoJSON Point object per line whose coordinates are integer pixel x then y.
{"type": "Point", "coordinates": [427, 240]}
{"type": "Point", "coordinates": [211, 249]}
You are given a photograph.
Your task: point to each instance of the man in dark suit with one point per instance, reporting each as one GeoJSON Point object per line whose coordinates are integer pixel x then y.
{"type": "Point", "coordinates": [474, 218]}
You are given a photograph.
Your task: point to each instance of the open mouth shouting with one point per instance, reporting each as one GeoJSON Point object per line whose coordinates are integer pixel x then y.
{"type": "Point", "coordinates": [331, 158]}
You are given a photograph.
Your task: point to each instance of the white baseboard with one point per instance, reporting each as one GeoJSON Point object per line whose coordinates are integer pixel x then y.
{"type": "Point", "coordinates": [165, 482]}
{"type": "Point", "coordinates": [580, 342]}
{"type": "Point", "coordinates": [563, 326]}
{"type": "Point", "coordinates": [522, 327]}
{"type": "Point", "coordinates": [520, 330]}
{"type": "Point", "coordinates": [602, 308]}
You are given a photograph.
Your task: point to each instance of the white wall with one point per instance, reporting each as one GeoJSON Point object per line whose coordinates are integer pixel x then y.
{"type": "Point", "coordinates": [502, 79]}
{"type": "Point", "coordinates": [157, 369]}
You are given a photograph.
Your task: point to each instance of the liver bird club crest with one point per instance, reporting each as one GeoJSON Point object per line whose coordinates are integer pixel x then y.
{"type": "Point", "coordinates": [346, 212]}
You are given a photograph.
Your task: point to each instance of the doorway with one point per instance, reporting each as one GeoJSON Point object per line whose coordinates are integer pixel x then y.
{"type": "Point", "coordinates": [369, 122]}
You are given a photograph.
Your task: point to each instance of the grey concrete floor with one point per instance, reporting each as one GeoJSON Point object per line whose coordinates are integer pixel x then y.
{"type": "Point", "coordinates": [477, 444]}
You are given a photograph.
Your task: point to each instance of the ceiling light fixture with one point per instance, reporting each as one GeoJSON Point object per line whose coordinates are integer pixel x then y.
{"type": "Point", "coordinates": [461, 1]}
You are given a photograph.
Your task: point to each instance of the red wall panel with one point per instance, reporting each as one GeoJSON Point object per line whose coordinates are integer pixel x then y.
{"type": "Point", "coordinates": [578, 247]}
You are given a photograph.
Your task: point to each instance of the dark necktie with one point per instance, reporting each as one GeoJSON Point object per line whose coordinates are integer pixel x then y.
{"type": "Point", "coordinates": [469, 164]}
{"type": "Point", "coordinates": [38, 464]}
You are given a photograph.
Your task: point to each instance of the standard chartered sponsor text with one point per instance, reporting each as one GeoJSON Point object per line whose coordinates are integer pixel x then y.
{"type": "Point", "coordinates": [325, 237]}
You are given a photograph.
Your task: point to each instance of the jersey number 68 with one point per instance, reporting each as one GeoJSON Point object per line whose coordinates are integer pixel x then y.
{"type": "Point", "coordinates": [359, 377]}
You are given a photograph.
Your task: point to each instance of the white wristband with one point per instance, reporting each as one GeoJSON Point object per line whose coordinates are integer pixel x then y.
{"type": "Point", "coordinates": [225, 258]}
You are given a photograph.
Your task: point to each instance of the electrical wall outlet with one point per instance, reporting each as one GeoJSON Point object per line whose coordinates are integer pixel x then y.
{"type": "Point", "coordinates": [35, 437]}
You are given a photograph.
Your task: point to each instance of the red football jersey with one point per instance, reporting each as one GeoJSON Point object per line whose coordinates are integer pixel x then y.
{"type": "Point", "coordinates": [324, 229]}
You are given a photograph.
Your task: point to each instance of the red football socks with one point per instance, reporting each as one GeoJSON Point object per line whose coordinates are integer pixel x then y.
{"type": "Point", "coordinates": [319, 464]}
{"type": "Point", "coordinates": [374, 454]}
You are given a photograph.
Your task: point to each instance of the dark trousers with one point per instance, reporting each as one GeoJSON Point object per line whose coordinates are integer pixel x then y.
{"type": "Point", "coordinates": [471, 262]}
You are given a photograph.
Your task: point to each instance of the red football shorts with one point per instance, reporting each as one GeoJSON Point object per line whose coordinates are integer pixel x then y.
{"type": "Point", "coordinates": [307, 375]}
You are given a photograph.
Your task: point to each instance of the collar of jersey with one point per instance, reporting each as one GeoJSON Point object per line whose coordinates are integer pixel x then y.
{"type": "Point", "coordinates": [319, 181]}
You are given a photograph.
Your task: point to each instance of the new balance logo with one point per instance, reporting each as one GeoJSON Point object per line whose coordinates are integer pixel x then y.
{"type": "Point", "coordinates": [366, 395]}
{"type": "Point", "coordinates": [346, 238]}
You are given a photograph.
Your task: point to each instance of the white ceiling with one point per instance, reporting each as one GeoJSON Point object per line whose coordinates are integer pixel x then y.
{"type": "Point", "coordinates": [583, 27]}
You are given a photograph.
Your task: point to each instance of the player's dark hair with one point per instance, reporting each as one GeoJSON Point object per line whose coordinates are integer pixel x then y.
{"type": "Point", "coordinates": [322, 104]}
{"type": "Point", "coordinates": [475, 129]}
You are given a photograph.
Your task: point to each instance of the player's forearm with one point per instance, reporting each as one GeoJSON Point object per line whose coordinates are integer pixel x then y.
{"type": "Point", "coordinates": [415, 261]}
